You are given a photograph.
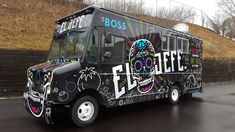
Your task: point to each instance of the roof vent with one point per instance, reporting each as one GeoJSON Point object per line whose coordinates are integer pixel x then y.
{"type": "Point", "coordinates": [182, 27]}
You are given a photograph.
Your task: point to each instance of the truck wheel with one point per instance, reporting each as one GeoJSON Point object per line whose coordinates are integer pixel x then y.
{"type": "Point", "coordinates": [174, 95]}
{"type": "Point", "coordinates": [84, 111]}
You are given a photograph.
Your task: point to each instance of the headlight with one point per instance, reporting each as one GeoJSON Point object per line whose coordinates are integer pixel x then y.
{"type": "Point", "coordinates": [48, 90]}
{"type": "Point", "coordinates": [46, 78]}
{"type": "Point", "coordinates": [29, 83]}
{"type": "Point", "coordinates": [30, 74]}
{"type": "Point", "coordinates": [25, 95]}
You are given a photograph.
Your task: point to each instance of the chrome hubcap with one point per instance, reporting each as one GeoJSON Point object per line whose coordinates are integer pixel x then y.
{"type": "Point", "coordinates": [85, 111]}
{"type": "Point", "coordinates": [175, 94]}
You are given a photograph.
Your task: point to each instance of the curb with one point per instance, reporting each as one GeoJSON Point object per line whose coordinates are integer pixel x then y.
{"type": "Point", "coordinates": [11, 98]}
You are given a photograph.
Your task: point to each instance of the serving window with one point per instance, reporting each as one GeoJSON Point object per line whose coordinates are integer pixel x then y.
{"type": "Point", "coordinates": [168, 43]}
{"type": "Point", "coordinates": [183, 45]}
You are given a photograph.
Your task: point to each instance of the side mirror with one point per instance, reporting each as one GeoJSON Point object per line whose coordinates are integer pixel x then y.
{"type": "Point", "coordinates": [108, 38]}
{"type": "Point", "coordinates": [93, 39]}
{"type": "Point", "coordinates": [107, 54]}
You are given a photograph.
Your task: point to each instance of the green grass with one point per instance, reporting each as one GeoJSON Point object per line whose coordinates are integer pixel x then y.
{"type": "Point", "coordinates": [29, 25]}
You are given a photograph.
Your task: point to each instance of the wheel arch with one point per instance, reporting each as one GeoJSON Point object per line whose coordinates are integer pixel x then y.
{"type": "Point", "coordinates": [89, 92]}
{"type": "Point", "coordinates": [179, 86]}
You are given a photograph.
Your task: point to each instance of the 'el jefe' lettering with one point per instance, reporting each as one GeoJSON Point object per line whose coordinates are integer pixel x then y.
{"type": "Point", "coordinates": [71, 24]}
{"type": "Point", "coordinates": [159, 69]}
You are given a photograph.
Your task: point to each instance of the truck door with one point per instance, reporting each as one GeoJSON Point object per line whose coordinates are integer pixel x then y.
{"type": "Point", "coordinates": [112, 55]}
{"type": "Point", "coordinates": [89, 74]}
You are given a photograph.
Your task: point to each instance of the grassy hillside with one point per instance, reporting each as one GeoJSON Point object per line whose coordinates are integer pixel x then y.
{"type": "Point", "coordinates": [215, 46]}
{"type": "Point", "coordinates": [29, 25]}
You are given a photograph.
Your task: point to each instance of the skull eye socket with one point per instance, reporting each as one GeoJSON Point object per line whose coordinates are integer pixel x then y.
{"type": "Point", "coordinates": [149, 62]}
{"type": "Point", "coordinates": [138, 66]}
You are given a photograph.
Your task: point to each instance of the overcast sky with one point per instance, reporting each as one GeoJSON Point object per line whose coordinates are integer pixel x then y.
{"type": "Point", "coordinates": [207, 6]}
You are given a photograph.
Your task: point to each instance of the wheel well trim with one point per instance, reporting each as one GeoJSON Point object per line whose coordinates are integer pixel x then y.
{"type": "Point", "coordinates": [89, 92]}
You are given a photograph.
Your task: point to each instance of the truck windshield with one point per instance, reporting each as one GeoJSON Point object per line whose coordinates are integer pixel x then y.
{"type": "Point", "coordinates": [70, 45]}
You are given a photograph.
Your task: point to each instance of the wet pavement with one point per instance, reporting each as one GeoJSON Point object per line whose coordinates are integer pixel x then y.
{"type": "Point", "coordinates": [211, 111]}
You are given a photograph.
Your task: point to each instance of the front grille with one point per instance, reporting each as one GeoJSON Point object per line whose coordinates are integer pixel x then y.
{"type": "Point", "coordinates": [38, 87]}
{"type": "Point", "coordinates": [38, 81]}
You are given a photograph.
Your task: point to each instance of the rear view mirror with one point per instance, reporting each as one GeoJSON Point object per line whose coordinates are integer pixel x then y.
{"type": "Point", "coordinates": [107, 54]}
{"type": "Point", "coordinates": [108, 38]}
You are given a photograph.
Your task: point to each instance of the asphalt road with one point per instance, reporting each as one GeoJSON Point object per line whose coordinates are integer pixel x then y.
{"type": "Point", "coordinates": [211, 111]}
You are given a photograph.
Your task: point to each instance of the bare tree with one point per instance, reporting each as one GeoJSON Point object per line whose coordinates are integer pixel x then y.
{"type": "Point", "coordinates": [230, 27]}
{"type": "Point", "coordinates": [218, 23]}
{"type": "Point", "coordinates": [162, 12]}
{"type": "Point", "coordinates": [183, 14]}
{"type": "Point", "coordinates": [203, 18]}
{"type": "Point", "coordinates": [228, 9]}
{"type": "Point", "coordinates": [178, 13]}
{"type": "Point", "coordinates": [135, 7]}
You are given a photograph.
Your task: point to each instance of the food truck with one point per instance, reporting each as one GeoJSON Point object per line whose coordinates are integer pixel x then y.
{"type": "Point", "coordinates": [99, 57]}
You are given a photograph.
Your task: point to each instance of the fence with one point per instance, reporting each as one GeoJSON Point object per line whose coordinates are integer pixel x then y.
{"type": "Point", "coordinates": [218, 70]}
{"type": "Point", "coordinates": [13, 66]}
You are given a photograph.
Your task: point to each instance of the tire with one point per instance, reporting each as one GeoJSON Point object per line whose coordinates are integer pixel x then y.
{"type": "Point", "coordinates": [84, 111]}
{"type": "Point", "coordinates": [174, 95]}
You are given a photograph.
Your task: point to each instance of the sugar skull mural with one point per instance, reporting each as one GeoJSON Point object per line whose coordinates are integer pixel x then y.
{"type": "Point", "coordinates": [37, 97]}
{"type": "Point", "coordinates": [142, 62]}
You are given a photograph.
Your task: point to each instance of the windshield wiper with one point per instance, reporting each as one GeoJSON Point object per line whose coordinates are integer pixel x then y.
{"type": "Point", "coordinates": [61, 34]}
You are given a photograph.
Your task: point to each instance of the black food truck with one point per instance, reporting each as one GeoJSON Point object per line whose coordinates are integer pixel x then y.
{"type": "Point", "coordinates": [101, 57]}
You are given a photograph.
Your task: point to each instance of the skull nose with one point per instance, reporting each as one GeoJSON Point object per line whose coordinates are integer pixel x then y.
{"type": "Point", "coordinates": [144, 70]}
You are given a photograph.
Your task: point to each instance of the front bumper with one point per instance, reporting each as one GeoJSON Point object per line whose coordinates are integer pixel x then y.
{"type": "Point", "coordinates": [46, 114]}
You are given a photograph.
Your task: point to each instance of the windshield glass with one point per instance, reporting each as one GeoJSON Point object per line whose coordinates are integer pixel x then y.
{"type": "Point", "coordinates": [70, 45]}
